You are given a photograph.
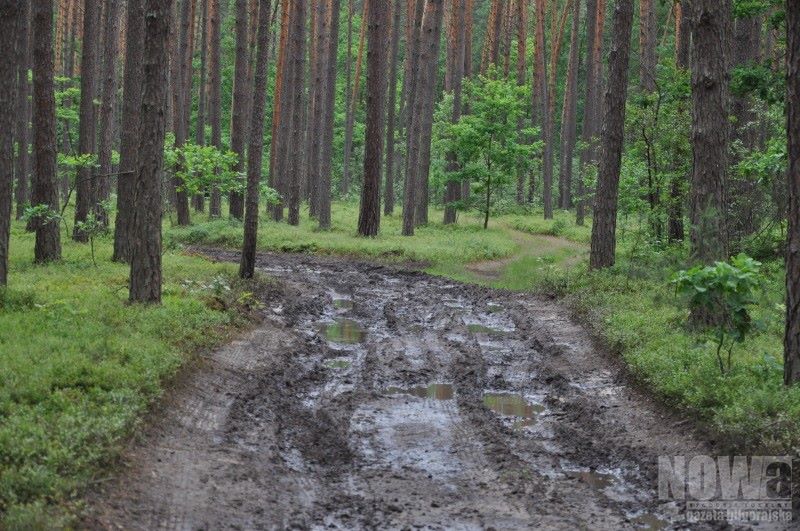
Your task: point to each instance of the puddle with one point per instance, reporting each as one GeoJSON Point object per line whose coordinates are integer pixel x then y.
{"type": "Point", "coordinates": [513, 405]}
{"type": "Point", "coordinates": [493, 307]}
{"type": "Point", "coordinates": [338, 364]}
{"type": "Point", "coordinates": [344, 331]}
{"type": "Point", "coordinates": [649, 522]}
{"type": "Point", "coordinates": [596, 480]}
{"type": "Point", "coordinates": [483, 329]}
{"type": "Point", "coordinates": [437, 391]}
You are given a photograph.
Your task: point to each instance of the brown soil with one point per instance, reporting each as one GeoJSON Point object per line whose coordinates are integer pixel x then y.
{"type": "Point", "coordinates": [371, 397]}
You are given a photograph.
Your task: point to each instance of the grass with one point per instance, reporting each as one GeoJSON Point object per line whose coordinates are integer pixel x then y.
{"type": "Point", "coordinates": [79, 366]}
{"type": "Point", "coordinates": [632, 307]}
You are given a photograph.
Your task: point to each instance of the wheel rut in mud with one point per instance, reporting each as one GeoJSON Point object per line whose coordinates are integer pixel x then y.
{"type": "Point", "coordinates": [373, 397]}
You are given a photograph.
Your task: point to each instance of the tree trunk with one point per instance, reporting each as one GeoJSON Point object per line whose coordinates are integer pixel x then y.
{"type": "Point", "coordinates": [453, 82]}
{"type": "Point", "coordinates": [422, 119]}
{"type": "Point", "coordinates": [200, 128]}
{"type": "Point", "coordinates": [298, 36]}
{"type": "Point", "coordinates": [43, 183]}
{"type": "Point", "coordinates": [541, 112]}
{"type": "Point", "coordinates": [604, 238]}
{"type": "Point", "coordinates": [281, 117]}
{"type": "Point", "coordinates": [179, 108]}
{"type": "Point", "coordinates": [594, 12]}
{"type": "Point", "coordinates": [710, 128]}
{"type": "Point", "coordinates": [10, 23]}
{"type": "Point", "coordinates": [379, 19]}
{"type": "Point", "coordinates": [146, 276]}
{"type": "Point", "coordinates": [468, 61]}
{"type": "Point", "coordinates": [240, 96]}
{"type": "Point", "coordinates": [522, 37]}
{"type": "Point", "coordinates": [570, 114]}
{"type": "Point", "coordinates": [648, 41]}
{"type": "Point", "coordinates": [791, 363]}
{"type": "Point", "coordinates": [314, 121]}
{"type": "Point", "coordinates": [683, 37]}
{"type": "Point", "coordinates": [328, 112]}
{"type": "Point", "coordinates": [129, 141]}
{"type": "Point", "coordinates": [23, 109]}
{"type": "Point", "coordinates": [215, 95]}
{"type": "Point", "coordinates": [256, 147]}
{"type": "Point", "coordinates": [84, 202]}
{"type": "Point", "coordinates": [351, 109]}
{"type": "Point", "coordinates": [413, 27]}
{"type": "Point", "coordinates": [391, 126]}
{"type": "Point", "coordinates": [101, 189]}
{"type": "Point", "coordinates": [491, 46]}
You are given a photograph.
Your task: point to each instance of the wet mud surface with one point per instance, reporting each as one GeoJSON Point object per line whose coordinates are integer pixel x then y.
{"type": "Point", "coordinates": [372, 397]}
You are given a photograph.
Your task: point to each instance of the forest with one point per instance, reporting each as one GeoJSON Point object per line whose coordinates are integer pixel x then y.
{"type": "Point", "coordinates": [368, 264]}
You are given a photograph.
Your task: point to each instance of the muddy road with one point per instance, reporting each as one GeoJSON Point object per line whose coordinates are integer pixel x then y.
{"type": "Point", "coordinates": [372, 397]}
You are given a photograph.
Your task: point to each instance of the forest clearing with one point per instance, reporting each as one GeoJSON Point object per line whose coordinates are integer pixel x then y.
{"type": "Point", "coordinates": [399, 264]}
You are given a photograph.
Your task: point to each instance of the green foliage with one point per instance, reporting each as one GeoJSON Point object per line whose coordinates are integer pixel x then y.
{"type": "Point", "coordinates": [93, 228]}
{"type": "Point", "coordinates": [202, 168]}
{"type": "Point", "coordinates": [723, 294]}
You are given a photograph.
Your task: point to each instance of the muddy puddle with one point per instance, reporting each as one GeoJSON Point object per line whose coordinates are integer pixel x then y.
{"type": "Point", "coordinates": [379, 398]}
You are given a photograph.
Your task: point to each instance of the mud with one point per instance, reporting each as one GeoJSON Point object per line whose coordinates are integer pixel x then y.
{"type": "Point", "coordinates": [373, 397]}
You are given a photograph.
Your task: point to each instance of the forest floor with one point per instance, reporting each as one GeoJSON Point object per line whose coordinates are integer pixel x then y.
{"type": "Point", "coordinates": [380, 396]}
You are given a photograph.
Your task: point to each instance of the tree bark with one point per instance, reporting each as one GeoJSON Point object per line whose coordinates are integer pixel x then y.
{"type": "Point", "coordinates": [391, 125]}
{"type": "Point", "coordinates": [23, 110]}
{"type": "Point", "coordinates": [328, 112]}
{"type": "Point", "coordinates": [522, 37]}
{"type": "Point", "coordinates": [570, 113]}
{"type": "Point", "coordinates": [494, 27]}
{"type": "Point", "coordinates": [353, 103]}
{"type": "Point", "coordinates": [422, 119]}
{"type": "Point", "coordinates": [379, 19]}
{"type": "Point", "coordinates": [101, 189]}
{"type": "Point", "coordinates": [10, 23]}
{"type": "Point", "coordinates": [414, 16]}
{"type": "Point", "coordinates": [683, 37]}
{"type": "Point", "coordinates": [298, 36]}
{"type": "Point", "coordinates": [84, 202]}
{"type": "Point", "coordinates": [710, 129]}
{"type": "Point", "coordinates": [129, 141]}
{"type": "Point", "coordinates": [791, 364]}
{"type": "Point", "coordinates": [240, 95]}
{"type": "Point", "coordinates": [146, 275]}
{"type": "Point", "coordinates": [604, 236]}
{"type": "Point", "coordinates": [215, 95]}
{"type": "Point", "coordinates": [453, 82]}
{"type": "Point", "coordinates": [468, 62]}
{"type": "Point", "coordinates": [256, 148]}
{"type": "Point", "coordinates": [648, 41]}
{"type": "Point", "coordinates": [594, 12]}
{"type": "Point", "coordinates": [541, 112]}
{"type": "Point", "coordinates": [43, 184]}
{"type": "Point", "coordinates": [314, 123]}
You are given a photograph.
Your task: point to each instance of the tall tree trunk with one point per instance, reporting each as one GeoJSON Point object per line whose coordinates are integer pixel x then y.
{"type": "Point", "coordinates": [200, 128]}
{"type": "Point", "coordinates": [604, 237]}
{"type": "Point", "coordinates": [422, 119]}
{"type": "Point", "coordinates": [522, 37]}
{"type": "Point", "coordinates": [379, 19]}
{"type": "Point", "coordinates": [240, 96]}
{"type": "Point", "coordinates": [43, 183]}
{"type": "Point", "coordinates": [298, 36]}
{"type": "Point", "coordinates": [215, 94]}
{"type": "Point", "coordinates": [146, 276]}
{"type": "Point", "coordinates": [593, 13]}
{"type": "Point", "coordinates": [281, 117]}
{"type": "Point", "coordinates": [313, 123]}
{"type": "Point", "coordinates": [494, 27]}
{"type": "Point", "coordinates": [710, 128]}
{"type": "Point", "coordinates": [256, 148]}
{"type": "Point", "coordinates": [453, 81]}
{"type": "Point", "coordinates": [541, 109]}
{"type": "Point", "coordinates": [468, 62]}
{"type": "Point", "coordinates": [10, 23]}
{"type": "Point", "coordinates": [416, 9]}
{"type": "Point", "coordinates": [101, 189]}
{"type": "Point", "coordinates": [791, 364]}
{"type": "Point", "coordinates": [351, 109]}
{"type": "Point", "coordinates": [179, 107]}
{"type": "Point", "coordinates": [23, 109]}
{"type": "Point", "coordinates": [84, 201]}
{"type": "Point", "coordinates": [683, 37]}
{"type": "Point", "coordinates": [570, 114]}
{"type": "Point", "coordinates": [328, 114]}
{"type": "Point", "coordinates": [648, 41]}
{"type": "Point", "coordinates": [129, 141]}
{"type": "Point", "coordinates": [391, 126]}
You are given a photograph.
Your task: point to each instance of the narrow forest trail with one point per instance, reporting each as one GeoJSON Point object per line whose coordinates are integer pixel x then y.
{"type": "Point", "coordinates": [372, 397]}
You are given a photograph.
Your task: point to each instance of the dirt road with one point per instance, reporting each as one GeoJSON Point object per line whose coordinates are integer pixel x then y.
{"type": "Point", "coordinates": [377, 398]}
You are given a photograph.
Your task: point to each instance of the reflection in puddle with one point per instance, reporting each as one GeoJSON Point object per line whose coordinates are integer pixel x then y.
{"type": "Point", "coordinates": [338, 363]}
{"type": "Point", "coordinates": [513, 405]}
{"type": "Point", "coordinates": [596, 480]}
{"type": "Point", "coordinates": [482, 329]}
{"type": "Point", "coordinates": [344, 331]}
{"type": "Point", "coordinates": [435, 391]}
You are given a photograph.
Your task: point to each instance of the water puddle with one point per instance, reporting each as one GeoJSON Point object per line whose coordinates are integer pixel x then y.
{"type": "Point", "coordinates": [593, 478]}
{"type": "Point", "coordinates": [436, 391]}
{"type": "Point", "coordinates": [343, 304]}
{"type": "Point", "coordinates": [513, 405]}
{"type": "Point", "coordinates": [483, 329]}
{"type": "Point", "coordinates": [649, 522]}
{"type": "Point", "coordinates": [344, 331]}
{"type": "Point", "coordinates": [340, 363]}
